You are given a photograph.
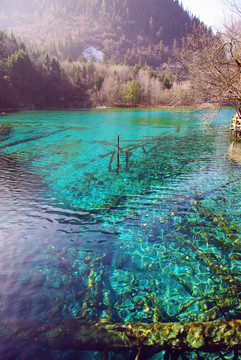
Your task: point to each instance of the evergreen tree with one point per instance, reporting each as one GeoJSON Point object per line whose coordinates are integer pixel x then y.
{"type": "Point", "coordinates": [133, 93]}
{"type": "Point", "coordinates": [2, 53]}
{"type": "Point", "coordinates": [55, 69]}
{"type": "Point", "coordinates": [46, 63]}
{"type": "Point", "coordinates": [75, 73]}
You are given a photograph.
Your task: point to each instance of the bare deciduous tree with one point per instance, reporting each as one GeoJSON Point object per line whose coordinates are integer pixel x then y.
{"type": "Point", "coordinates": [233, 6]}
{"type": "Point", "coordinates": [213, 64]}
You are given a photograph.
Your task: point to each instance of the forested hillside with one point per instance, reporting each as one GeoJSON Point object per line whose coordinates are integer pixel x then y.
{"type": "Point", "coordinates": [43, 42]}
{"type": "Point", "coordinates": [131, 31]}
{"type": "Point", "coordinates": [31, 78]}
{"type": "Point", "coordinates": [34, 80]}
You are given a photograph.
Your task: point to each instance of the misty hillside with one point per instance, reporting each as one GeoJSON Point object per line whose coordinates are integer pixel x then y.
{"type": "Point", "coordinates": [130, 31]}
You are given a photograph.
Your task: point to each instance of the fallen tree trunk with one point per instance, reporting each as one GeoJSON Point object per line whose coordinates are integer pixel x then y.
{"type": "Point", "coordinates": [147, 338]}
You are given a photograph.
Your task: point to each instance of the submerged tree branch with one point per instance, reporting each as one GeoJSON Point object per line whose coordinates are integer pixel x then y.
{"type": "Point", "coordinates": [211, 336]}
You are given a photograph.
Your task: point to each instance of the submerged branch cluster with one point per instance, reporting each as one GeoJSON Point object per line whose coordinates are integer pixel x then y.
{"type": "Point", "coordinates": [113, 309]}
{"type": "Point", "coordinates": [143, 318]}
{"type": "Point", "coordinates": [144, 338]}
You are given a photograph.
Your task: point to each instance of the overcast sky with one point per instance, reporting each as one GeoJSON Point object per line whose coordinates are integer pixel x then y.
{"type": "Point", "coordinates": [211, 12]}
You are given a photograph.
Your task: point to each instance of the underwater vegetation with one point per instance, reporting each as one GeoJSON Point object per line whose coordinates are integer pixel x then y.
{"type": "Point", "coordinates": [135, 256]}
{"type": "Point", "coordinates": [175, 284]}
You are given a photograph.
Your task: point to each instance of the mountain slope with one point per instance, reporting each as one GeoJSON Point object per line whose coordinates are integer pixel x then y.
{"type": "Point", "coordinates": [129, 30]}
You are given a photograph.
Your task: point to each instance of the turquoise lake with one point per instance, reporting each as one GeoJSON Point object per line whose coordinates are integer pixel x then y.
{"type": "Point", "coordinates": [83, 235]}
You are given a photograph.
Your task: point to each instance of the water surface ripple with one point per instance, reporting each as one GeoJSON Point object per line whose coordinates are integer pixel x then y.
{"type": "Point", "coordinates": [83, 236]}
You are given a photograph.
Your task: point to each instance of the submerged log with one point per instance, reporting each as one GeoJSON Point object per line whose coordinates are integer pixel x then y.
{"type": "Point", "coordinates": [118, 153]}
{"type": "Point", "coordinates": [37, 137]}
{"type": "Point", "coordinates": [211, 336]}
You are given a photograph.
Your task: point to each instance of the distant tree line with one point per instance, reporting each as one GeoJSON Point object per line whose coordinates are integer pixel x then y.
{"type": "Point", "coordinates": [34, 79]}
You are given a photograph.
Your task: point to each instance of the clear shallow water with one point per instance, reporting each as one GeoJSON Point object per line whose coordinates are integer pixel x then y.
{"type": "Point", "coordinates": [84, 237]}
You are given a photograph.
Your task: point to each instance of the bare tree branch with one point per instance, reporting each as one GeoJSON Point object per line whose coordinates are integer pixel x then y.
{"type": "Point", "coordinates": [213, 65]}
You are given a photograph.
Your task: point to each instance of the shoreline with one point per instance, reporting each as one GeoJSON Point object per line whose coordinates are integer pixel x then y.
{"type": "Point", "coordinates": [103, 107]}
